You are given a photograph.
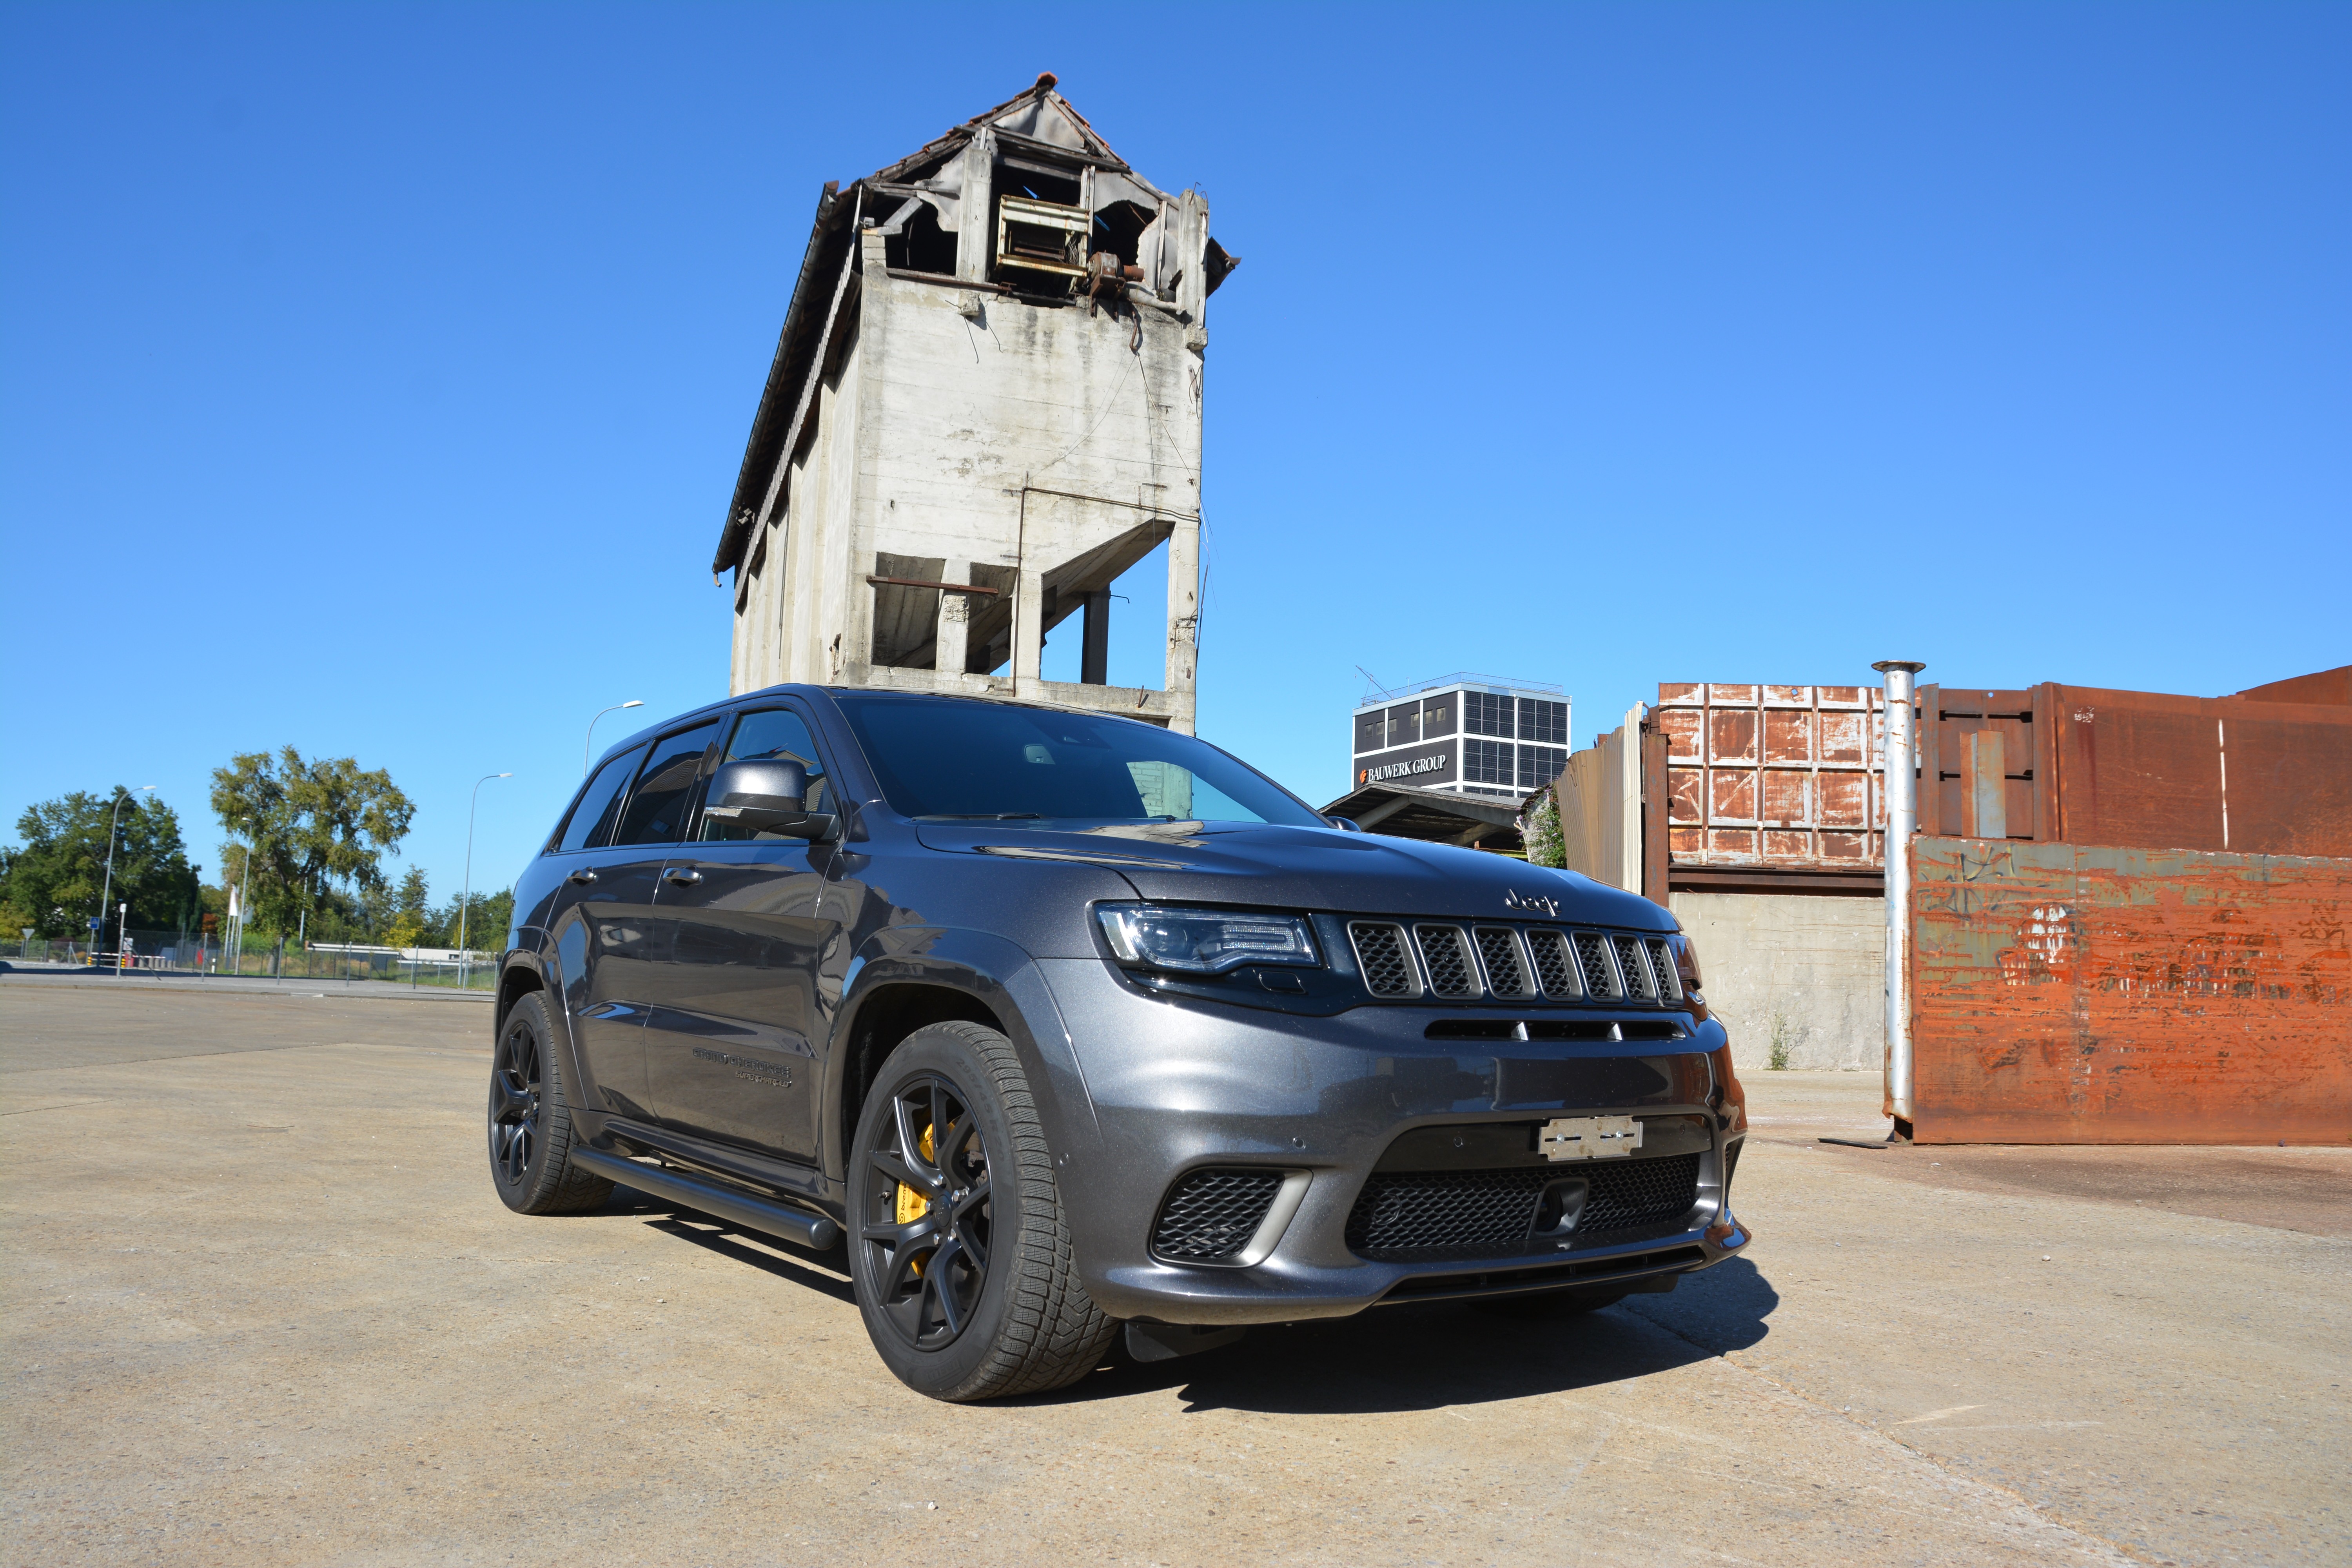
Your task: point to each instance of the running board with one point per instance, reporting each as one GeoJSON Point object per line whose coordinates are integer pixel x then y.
{"type": "Point", "coordinates": [814, 1231]}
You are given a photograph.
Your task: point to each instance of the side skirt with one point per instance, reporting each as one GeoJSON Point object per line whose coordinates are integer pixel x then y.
{"type": "Point", "coordinates": [816, 1232]}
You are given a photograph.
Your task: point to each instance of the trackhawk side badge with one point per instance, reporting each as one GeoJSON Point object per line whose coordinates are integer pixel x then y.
{"type": "Point", "coordinates": [1531, 904]}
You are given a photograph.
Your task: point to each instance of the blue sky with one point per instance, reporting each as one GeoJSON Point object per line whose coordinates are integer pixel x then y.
{"type": "Point", "coordinates": [374, 378]}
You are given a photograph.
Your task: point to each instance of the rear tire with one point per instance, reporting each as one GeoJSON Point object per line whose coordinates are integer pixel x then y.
{"type": "Point", "coordinates": [531, 1134]}
{"type": "Point", "coordinates": [958, 1248]}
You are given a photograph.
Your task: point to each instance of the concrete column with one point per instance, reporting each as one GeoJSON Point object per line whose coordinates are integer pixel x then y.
{"type": "Point", "coordinates": [1028, 631]}
{"type": "Point", "coordinates": [955, 620]}
{"type": "Point", "coordinates": [1902, 822]}
{"type": "Point", "coordinates": [976, 231]}
{"type": "Point", "coordinates": [1183, 617]}
{"type": "Point", "coordinates": [1094, 652]}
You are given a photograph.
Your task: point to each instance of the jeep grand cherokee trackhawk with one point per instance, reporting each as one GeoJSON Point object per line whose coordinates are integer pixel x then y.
{"type": "Point", "coordinates": [1062, 1022]}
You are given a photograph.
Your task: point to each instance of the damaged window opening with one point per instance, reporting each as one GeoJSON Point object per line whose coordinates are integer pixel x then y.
{"type": "Point", "coordinates": [1042, 227]}
{"type": "Point", "coordinates": [921, 245]}
{"type": "Point", "coordinates": [1119, 228]}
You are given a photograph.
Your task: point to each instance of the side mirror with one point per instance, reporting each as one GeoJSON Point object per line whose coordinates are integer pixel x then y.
{"type": "Point", "coordinates": [1345, 824]}
{"type": "Point", "coordinates": [766, 794]}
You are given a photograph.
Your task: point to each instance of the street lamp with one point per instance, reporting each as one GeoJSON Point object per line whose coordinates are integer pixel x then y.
{"type": "Point", "coordinates": [466, 889]}
{"type": "Point", "coordinates": [588, 750]}
{"type": "Point", "coordinates": [113, 818]}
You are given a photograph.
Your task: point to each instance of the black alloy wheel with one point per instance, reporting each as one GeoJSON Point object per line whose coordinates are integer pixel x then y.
{"type": "Point", "coordinates": [517, 1082]}
{"type": "Point", "coordinates": [927, 1217]}
{"type": "Point", "coordinates": [531, 1134]}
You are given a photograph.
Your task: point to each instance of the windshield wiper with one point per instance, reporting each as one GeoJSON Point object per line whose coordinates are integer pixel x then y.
{"type": "Point", "coordinates": [982, 817]}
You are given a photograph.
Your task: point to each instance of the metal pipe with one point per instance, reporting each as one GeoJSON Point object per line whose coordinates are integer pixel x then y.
{"type": "Point", "coordinates": [588, 747]}
{"type": "Point", "coordinates": [466, 888]}
{"type": "Point", "coordinates": [1902, 776]}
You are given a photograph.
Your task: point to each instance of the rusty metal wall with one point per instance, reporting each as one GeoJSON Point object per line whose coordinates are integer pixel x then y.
{"type": "Point", "coordinates": [1778, 776]}
{"type": "Point", "coordinates": [1948, 717]}
{"type": "Point", "coordinates": [2195, 773]}
{"type": "Point", "coordinates": [2083, 993]}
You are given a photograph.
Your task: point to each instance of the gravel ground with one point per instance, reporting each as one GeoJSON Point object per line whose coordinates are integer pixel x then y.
{"type": "Point", "coordinates": [262, 1306]}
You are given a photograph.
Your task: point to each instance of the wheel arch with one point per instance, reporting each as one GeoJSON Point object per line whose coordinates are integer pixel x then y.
{"type": "Point", "coordinates": [519, 978]}
{"type": "Point", "coordinates": [887, 1012]}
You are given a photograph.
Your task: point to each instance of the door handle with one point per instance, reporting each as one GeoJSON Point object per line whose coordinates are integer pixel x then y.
{"type": "Point", "coordinates": [680, 876]}
{"type": "Point", "coordinates": [583, 875]}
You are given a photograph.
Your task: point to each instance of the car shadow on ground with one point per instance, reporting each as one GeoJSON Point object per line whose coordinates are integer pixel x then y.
{"type": "Point", "coordinates": [827, 1273]}
{"type": "Point", "coordinates": [1427, 1357]}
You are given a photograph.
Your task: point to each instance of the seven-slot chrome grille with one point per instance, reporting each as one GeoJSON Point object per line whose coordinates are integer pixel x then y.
{"type": "Point", "coordinates": [1440, 959]}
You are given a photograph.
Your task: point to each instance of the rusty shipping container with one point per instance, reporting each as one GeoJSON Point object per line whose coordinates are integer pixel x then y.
{"type": "Point", "coordinates": [1785, 777]}
{"type": "Point", "coordinates": [2088, 993]}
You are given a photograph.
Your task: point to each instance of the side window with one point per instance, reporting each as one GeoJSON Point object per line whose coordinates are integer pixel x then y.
{"type": "Point", "coordinates": [665, 793]}
{"type": "Point", "coordinates": [589, 826]}
{"type": "Point", "coordinates": [772, 732]}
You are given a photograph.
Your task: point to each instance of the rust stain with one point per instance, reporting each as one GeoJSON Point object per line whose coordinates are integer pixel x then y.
{"type": "Point", "coordinates": [2080, 993]}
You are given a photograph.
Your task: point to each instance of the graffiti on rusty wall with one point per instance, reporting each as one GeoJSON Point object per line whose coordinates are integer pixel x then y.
{"type": "Point", "coordinates": [2080, 993]}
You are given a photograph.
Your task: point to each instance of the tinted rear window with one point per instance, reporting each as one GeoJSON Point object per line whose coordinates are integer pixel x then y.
{"type": "Point", "coordinates": [590, 824]}
{"type": "Point", "coordinates": [664, 794]}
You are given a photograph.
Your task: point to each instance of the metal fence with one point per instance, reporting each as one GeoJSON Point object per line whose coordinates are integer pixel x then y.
{"type": "Point", "coordinates": [174, 952]}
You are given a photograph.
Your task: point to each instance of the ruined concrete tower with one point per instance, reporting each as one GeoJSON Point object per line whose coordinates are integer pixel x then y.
{"type": "Point", "coordinates": [985, 405]}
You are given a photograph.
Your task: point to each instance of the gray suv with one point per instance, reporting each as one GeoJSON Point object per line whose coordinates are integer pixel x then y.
{"type": "Point", "coordinates": [1065, 1026]}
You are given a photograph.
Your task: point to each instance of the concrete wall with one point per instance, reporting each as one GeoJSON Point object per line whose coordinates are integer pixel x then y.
{"type": "Point", "coordinates": [991, 436]}
{"type": "Point", "coordinates": [1813, 968]}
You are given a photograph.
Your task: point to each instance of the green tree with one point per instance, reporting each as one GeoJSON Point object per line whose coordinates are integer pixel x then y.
{"type": "Point", "coordinates": [54, 880]}
{"type": "Point", "coordinates": [484, 926]}
{"type": "Point", "coordinates": [412, 915]}
{"type": "Point", "coordinates": [311, 827]}
{"type": "Point", "coordinates": [1539, 826]}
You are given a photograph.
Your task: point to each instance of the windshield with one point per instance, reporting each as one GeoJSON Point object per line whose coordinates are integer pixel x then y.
{"type": "Point", "coordinates": [943, 757]}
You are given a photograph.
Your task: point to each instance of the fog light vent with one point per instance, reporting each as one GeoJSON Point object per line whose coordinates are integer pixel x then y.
{"type": "Point", "coordinates": [1209, 1216]}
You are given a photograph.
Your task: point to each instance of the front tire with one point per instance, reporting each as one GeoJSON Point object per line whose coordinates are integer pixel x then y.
{"type": "Point", "coordinates": [531, 1132]}
{"type": "Point", "coordinates": [958, 1248]}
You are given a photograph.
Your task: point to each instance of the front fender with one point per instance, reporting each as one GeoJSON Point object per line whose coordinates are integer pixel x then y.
{"type": "Point", "coordinates": [999, 975]}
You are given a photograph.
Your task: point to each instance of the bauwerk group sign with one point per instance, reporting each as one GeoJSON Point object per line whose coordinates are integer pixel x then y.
{"type": "Point", "coordinates": [1433, 764]}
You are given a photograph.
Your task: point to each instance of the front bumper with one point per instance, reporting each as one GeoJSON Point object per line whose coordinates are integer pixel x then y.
{"type": "Point", "coordinates": [1178, 1085]}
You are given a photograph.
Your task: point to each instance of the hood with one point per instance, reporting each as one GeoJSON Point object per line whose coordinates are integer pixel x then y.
{"type": "Point", "coordinates": [1311, 868]}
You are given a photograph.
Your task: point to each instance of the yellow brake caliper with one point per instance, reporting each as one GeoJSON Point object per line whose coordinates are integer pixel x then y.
{"type": "Point", "coordinates": [912, 1205]}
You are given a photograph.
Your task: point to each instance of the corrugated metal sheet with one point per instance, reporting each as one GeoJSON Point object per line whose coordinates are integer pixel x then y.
{"type": "Point", "coordinates": [2079, 994]}
{"type": "Point", "coordinates": [1783, 776]}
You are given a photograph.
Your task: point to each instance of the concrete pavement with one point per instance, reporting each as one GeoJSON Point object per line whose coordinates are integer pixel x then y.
{"type": "Point", "coordinates": [262, 1306]}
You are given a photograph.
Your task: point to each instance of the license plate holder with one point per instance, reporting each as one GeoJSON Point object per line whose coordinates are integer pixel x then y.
{"type": "Point", "coordinates": [1567, 1138]}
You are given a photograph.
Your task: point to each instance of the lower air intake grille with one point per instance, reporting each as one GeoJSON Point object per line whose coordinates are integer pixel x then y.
{"type": "Point", "coordinates": [1427, 1214]}
{"type": "Point", "coordinates": [1632, 1194]}
{"type": "Point", "coordinates": [1387, 967]}
{"type": "Point", "coordinates": [1446, 1211]}
{"type": "Point", "coordinates": [1209, 1215]}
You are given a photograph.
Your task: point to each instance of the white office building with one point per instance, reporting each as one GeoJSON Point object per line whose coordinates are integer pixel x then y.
{"type": "Point", "coordinates": [1464, 734]}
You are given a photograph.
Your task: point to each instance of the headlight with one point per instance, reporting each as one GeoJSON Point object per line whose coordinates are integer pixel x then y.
{"type": "Point", "coordinates": [1205, 942]}
{"type": "Point", "coordinates": [1686, 963]}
